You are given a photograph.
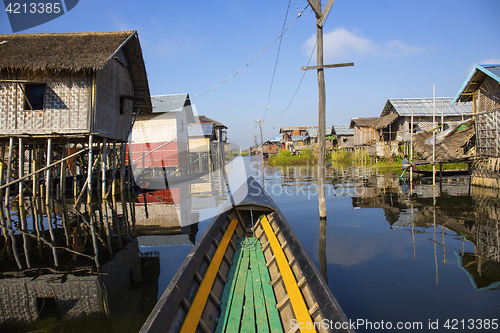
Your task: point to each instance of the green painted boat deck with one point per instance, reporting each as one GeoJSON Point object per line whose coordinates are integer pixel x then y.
{"type": "Point", "coordinates": [248, 303]}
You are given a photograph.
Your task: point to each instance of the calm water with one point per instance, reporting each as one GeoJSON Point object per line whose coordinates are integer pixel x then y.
{"type": "Point", "coordinates": [394, 254]}
{"type": "Point", "coordinates": [390, 257]}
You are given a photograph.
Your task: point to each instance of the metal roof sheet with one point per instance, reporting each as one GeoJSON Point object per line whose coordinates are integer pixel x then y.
{"type": "Point", "coordinates": [204, 129]}
{"type": "Point", "coordinates": [474, 80]}
{"type": "Point", "coordinates": [423, 107]}
{"type": "Point", "coordinates": [342, 130]}
{"type": "Point", "coordinates": [169, 103]}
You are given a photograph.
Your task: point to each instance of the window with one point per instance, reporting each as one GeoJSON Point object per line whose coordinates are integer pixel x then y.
{"type": "Point", "coordinates": [34, 94]}
{"type": "Point", "coordinates": [415, 128]}
{"type": "Point", "coordinates": [122, 105]}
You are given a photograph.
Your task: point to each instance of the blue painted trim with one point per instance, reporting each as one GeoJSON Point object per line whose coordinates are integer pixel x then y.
{"type": "Point", "coordinates": [471, 75]}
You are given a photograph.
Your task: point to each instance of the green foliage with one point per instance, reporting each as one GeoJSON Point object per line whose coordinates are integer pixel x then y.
{"type": "Point", "coordinates": [286, 158]}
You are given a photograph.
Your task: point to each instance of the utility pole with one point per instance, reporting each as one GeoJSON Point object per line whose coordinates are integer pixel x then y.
{"type": "Point", "coordinates": [260, 121]}
{"type": "Point", "coordinates": [320, 20]}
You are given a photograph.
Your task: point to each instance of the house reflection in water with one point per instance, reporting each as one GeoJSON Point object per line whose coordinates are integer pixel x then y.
{"type": "Point", "coordinates": [40, 300]}
{"type": "Point", "coordinates": [470, 213]}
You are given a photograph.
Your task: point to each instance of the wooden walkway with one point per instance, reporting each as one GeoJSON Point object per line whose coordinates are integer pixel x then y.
{"type": "Point", "coordinates": [248, 303]}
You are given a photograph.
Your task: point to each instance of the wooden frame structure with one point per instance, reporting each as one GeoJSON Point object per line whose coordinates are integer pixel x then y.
{"type": "Point", "coordinates": [65, 188]}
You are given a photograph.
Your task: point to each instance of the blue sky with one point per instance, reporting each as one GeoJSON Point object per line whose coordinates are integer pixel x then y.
{"type": "Point", "coordinates": [400, 48]}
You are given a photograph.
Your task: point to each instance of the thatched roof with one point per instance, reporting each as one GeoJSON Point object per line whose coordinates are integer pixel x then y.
{"type": "Point", "coordinates": [375, 122]}
{"type": "Point", "coordinates": [450, 144]}
{"type": "Point", "coordinates": [74, 52]}
{"type": "Point", "coordinates": [60, 51]}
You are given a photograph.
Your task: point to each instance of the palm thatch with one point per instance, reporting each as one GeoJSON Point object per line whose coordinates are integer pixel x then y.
{"type": "Point", "coordinates": [60, 51]}
{"type": "Point", "coordinates": [375, 122]}
{"type": "Point", "coordinates": [75, 52]}
{"type": "Point", "coordinates": [451, 145]}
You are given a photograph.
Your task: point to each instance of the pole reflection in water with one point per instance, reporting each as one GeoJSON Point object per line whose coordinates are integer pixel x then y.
{"type": "Point", "coordinates": [322, 249]}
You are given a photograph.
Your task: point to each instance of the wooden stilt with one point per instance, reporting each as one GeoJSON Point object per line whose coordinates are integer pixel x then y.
{"type": "Point", "coordinates": [129, 193]}
{"type": "Point", "coordinates": [22, 213]}
{"type": "Point", "coordinates": [2, 168]}
{"type": "Point", "coordinates": [62, 191]}
{"type": "Point", "coordinates": [113, 197]}
{"type": "Point", "coordinates": [122, 194]}
{"type": "Point", "coordinates": [89, 202]}
{"type": "Point", "coordinates": [35, 200]}
{"type": "Point", "coordinates": [103, 195]}
{"type": "Point", "coordinates": [48, 184]}
{"type": "Point", "coordinates": [7, 204]}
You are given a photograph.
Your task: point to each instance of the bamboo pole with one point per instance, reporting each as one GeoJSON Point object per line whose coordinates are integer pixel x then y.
{"type": "Point", "coordinates": [22, 213]}
{"type": "Point", "coordinates": [123, 199]}
{"type": "Point", "coordinates": [89, 202]}
{"type": "Point", "coordinates": [411, 154]}
{"type": "Point", "coordinates": [35, 201]}
{"type": "Point", "coordinates": [9, 165]}
{"type": "Point", "coordinates": [48, 166]}
{"type": "Point", "coordinates": [129, 190]}
{"type": "Point", "coordinates": [62, 191]}
{"type": "Point", "coordinates": [103, 195]}
{"type": "Point", "coordinates": [434, 138]}
{"type": "Point", "coordinates": [113, 204]}
{"type": "Point", "coordinates": [7, 205]}
{"type": "Point", "coordinates": [2, 156]}
{"type": "Point", "coordinates": [48, 184]}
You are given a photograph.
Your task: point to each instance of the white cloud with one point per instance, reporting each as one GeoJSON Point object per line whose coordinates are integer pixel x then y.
{"type": "Point", "coordinates": [344, 45]}
{"type": "Point", "coordinates": [490, 61]}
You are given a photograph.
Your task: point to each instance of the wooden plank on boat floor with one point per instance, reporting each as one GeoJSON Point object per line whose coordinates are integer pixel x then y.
{"type": "Point", "coordinates": [261, 319]}
{"type": "Point", "coordinates": [248, 303]}
{"type": "Point", "coordinates": [298, 304]}
{"type": "Point", "coordinates": [248, 320]}
{"type": "Point", "coordinates": [270, 301]}
{"type": "Point", "coordinates": [227, 294]}
{"type": "Point", "coordinates": [198, 305]}
{"type": "Point", "coordinates": [233, 324]}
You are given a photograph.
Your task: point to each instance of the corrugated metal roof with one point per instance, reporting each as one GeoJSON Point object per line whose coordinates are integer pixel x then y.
{"type": "Point", "coordinates": [474, 80]}
{"type": "Point", "coordinates": [204, 119]}
{"type": "Point", "coordinates": [204, 129]}
{"type": "Point", "coordinates": [423, 107]}
{"type": "Point", "coordinates": [342, 130]}
{"type": "Point", "coordinates": [169, 103]}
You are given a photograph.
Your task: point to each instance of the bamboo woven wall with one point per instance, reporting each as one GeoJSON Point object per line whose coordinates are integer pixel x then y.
{"type": "Point", "coordinates": [67, 104]}
{"type": "Point", "coordinates": [112, 81]}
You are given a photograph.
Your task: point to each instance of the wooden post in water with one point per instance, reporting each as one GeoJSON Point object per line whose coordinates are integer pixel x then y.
{"type": "Point", "coordinates": [2, 217]}
{"type": "Point", "coordinates": [22, 215]}
{"type": "Point", "coordinates": [434, 139]}
{"type": "Point", "coordinates": [411, 154]}
{"type": "Point", "coordinates": [48, 184]}
{"type": "Point", "coordinates": [89, 202]}
{"type": "Point", "coordinates": [321, 16]}
{"type": "Point", "coordinates": [103, 195]}
{"type": "Point", "coordinates": [35, 201]}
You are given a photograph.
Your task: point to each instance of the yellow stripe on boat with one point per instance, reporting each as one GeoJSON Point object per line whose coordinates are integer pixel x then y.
{"type": "Point", "coordinates": [292, 288]}
{"type": "Point", "coordinates": [196, 309]}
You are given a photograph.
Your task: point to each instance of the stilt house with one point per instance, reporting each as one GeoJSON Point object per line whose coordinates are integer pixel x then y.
{"type": "Point", "coordinates": [482, 89]}
{"type": "Point", "coordinates": [447, 116]}
{"type": "Point", "coordinates": [159, 140]}
{"type": "Point", "coordinates": [69, 84]}
{"type": "Point", "coordinates": [61, 92]}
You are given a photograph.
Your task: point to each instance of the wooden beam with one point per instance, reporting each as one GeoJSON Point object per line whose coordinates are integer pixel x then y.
{"type": "Point", "coordinates": [324, 15]}
{"type": "Point", "coordinates": [346, 64]}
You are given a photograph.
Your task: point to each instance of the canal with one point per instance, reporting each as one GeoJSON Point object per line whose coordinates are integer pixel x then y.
{"type": "Point", "coordinates": [390, 256]}
{"type": "Point", "coordinates": [395, 255]}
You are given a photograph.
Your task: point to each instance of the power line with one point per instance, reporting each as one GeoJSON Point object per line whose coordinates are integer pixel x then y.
{"type": "Point", "coordinates": [299, 15]}
{"type": "Point", "coordinates": [296, 90]}
{"type": "Point", "coordinates": [277, 57]}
